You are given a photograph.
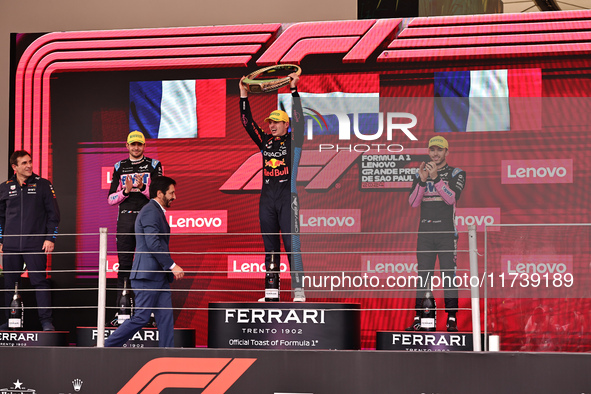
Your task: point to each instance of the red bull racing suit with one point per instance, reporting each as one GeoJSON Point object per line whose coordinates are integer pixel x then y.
{"type": "Point", "coordinates": [279, 205]}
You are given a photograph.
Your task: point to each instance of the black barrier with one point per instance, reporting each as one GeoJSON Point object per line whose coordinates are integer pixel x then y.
{"type": "Point", "coordinates": [94, 370]}
{"type": "Point", "coordinates": [284, 325]}
{"type": "Point", "coordinates": [146, 337]}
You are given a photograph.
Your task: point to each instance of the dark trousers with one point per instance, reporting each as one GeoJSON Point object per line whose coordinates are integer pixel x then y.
{"type": "Point", "coordinates": [429, 247]}
{"type": "Point", "coordinates": [125, 248]}
{"type": "Point", "coordinates": [146, 299]}
{"type": "Point", "coordinates": [39, 281]}
{"type": "Point", "coordinates": [281, 213]}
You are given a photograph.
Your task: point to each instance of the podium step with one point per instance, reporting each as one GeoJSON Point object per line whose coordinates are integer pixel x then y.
{"type": "Point", "coordinates": [34, 338]}
{"type": "Point", "coordinates": [425, 341]}
{"type": "Point", "coordinates": [146, 337]}
{"type": "Point", "coordinates": [284, 325]}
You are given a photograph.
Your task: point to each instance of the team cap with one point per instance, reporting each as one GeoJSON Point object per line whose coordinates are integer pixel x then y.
{"type": "Point", "coordinates": [278, 116]}
{"type": "Point", "coordinates": [438, 141]}
{"type": "Point", "coordinates": [136, 136]}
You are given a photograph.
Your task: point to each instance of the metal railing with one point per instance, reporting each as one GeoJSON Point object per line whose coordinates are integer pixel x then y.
{"type": "Point", "coordinates": [337, 251]}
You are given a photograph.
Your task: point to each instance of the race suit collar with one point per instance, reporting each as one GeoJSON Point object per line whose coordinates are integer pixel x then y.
{"type": "Point", "coordinates": [281, 137]}
{"type": "Point", "coordinates": [138, 160]}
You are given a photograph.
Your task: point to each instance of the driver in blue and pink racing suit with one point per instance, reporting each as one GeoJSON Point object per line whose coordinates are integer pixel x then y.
{"type": "Point", "coordinates": [279, 206]}
{"type": "Point", "coordinates": [436, 189]}
{"type": "Point", "coordinates": [129, 191]}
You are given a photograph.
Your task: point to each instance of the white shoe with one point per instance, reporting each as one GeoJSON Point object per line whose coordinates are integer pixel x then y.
{"type": "Point", "coordinates": [299, 295]}
{"type": "Point", "coordinates": [262, 299]}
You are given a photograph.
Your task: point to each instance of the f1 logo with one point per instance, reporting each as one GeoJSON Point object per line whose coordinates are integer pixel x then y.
{"type": "Point", "coordinates": [320, 169]}
{"type": "Point", "coordinates": [213, 375]}
{"type": "Point", "coordinates": [358, 39]}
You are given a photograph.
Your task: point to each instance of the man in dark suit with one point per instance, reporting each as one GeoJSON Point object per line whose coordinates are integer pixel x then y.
{"type": "Point", "coordinates": [153, 268]}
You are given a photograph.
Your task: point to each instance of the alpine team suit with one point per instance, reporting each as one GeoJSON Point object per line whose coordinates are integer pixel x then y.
{"type": "Point", "coordinates": [279, 204]}
{"type": "Point", "coordinates": [28, 209]}
{"type": "Point", "coordinates": [129, 206]}
{"type": "Point", "coordinates": [437, 199]}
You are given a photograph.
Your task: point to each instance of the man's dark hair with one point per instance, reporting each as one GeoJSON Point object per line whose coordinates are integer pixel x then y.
{"type": "Point", "coordinates": [160, 183]}
{"type": "Point", "coordinates": [17, 155]}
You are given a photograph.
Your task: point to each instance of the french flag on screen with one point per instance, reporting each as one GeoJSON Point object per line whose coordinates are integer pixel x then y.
{"type": "Point", "coordinates": [324, 95]}
{"type": "Point", "coordinates": [488, 100]}
{"type": "Point", "coordinates": [178, 109]}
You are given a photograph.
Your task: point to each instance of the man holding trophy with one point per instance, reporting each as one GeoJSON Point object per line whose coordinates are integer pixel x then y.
{"type": "Point", "coordinates": [281, 151]}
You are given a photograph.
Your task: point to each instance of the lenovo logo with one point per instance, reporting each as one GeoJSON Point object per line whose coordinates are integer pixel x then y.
{"type": "Point", "coordinates": [330, 220]}
{"type": "Point", "coordinates": [106, 177]}
{"type": "Point", "coordinates": [479, 217]}
{"type": "Point", "coordinates": [253, 266]}
{"type": "Point", "coordinates": [112, 265]}
{"type": "Point", "coordinates": [389, 265]}
{"type": "Point", "coordinates": [537, 264]}
{"type": "Point", "coordinates": [197, 221]}
{"type": "Point", "coordinates": [537, 171]}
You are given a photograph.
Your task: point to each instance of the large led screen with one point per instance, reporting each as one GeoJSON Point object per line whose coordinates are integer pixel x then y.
{"type": "Point", "coordinates": [507, 91]}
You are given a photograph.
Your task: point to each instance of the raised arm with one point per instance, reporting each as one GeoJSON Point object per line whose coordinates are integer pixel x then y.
{"type": "Point", "coordinates": [254, 131]}
{"type": "Point", "coordinates": [297, 115]}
